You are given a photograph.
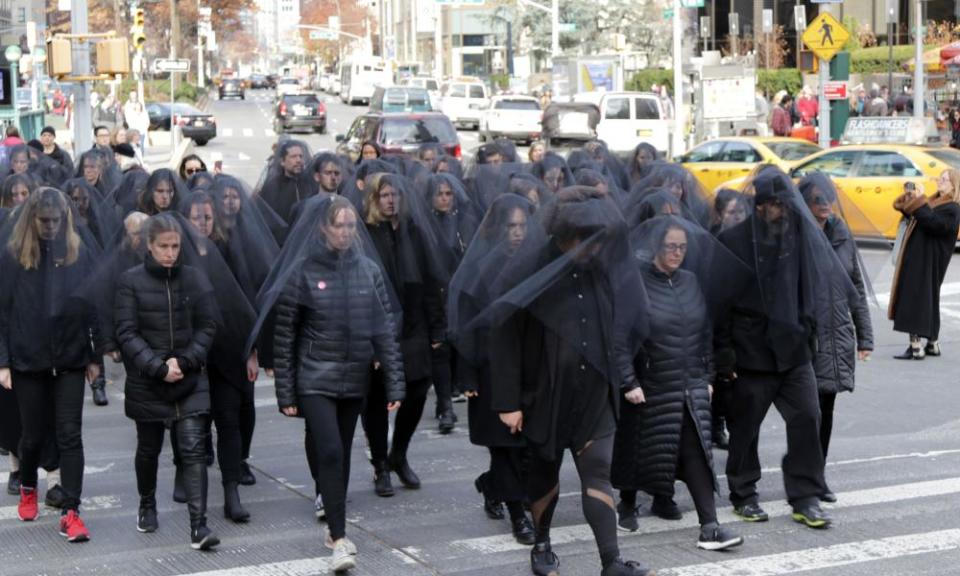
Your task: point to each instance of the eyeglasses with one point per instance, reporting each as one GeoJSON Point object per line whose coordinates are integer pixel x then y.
{"type": "Point", "coordinates": [675, 248]}
{"type": "Point", "coordinates": [820, 201]}
{"type": "Point", "coordinates": [192, 171]}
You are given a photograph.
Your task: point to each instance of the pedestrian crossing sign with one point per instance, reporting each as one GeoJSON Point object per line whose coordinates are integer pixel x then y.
{"type": "Point", "coordinates": [825, 36]}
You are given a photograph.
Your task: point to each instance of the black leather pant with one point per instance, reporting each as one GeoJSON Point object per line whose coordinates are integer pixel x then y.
{"type": "Point", "coordinates": [190, 435]}
{"type": "Point", "coordinates": [231, 404]}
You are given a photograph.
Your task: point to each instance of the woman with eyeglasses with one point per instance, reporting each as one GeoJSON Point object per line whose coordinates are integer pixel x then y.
{"type": "Point", "coordinates": [48, 334]}
{"type": "Point", "coordinates": [664, 430]}
{"type": "Point", "coordinates": [190, 165]}
{"type": "Point", "coordinates": [844, 330]}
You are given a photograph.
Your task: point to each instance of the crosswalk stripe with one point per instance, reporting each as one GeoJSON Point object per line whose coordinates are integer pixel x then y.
{"type": "Point", "coordinates": [216, 156]}
{"type": "Point", "coordinates": [303, 567]}
{"type": "Point", "coordinates": [826, 556]}
{"type": "Point", "coordinates": [86, 505]}
{"type": "Point", "coordinates": [228, 132]}
{"type": "Point", "coordinates": [269, 133]}
{"type": "Point", "coordinates": [247, 132]}
{"type": "Point", "coordinates": [582, 533]}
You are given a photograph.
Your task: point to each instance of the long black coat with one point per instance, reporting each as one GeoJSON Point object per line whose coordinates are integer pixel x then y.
{"type": "Point", "coordinates": [281, 193]}
{"type": "Point", "coordinates": [844, 324]}
{"type": "Point", "coordinates": [922, 264]}
{"type": "Point", "coordinates": [161, 313]}
{"type": "Point", "coordinates": [404, 259]}
{"type": "Point", "coordinates": [327, 338]}
{"type": "Point", "coordinates": [675, 369]}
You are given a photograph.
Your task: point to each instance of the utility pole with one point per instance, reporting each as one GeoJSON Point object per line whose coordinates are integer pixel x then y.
{"type": "Point", "coordinates": [555, 28]}
{"type": "Point", "coordinates": [438, 42]}
{"type": "Point", "coordinates": [823, 117]}
{"type": "Point", "coordinates": [679, 121]}
{"type": "Point", "coordinates": [918, 67]}
{"type": "Point", "coordinates": [82, 116]}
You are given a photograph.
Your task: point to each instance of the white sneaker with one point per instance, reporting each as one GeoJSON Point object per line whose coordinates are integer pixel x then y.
{"type": "Point", "coordinates": [342, 559]}
{"type": "Point", "coordinates": [318, 508]}
{"type": "Point", "coordinates": [328, 542]}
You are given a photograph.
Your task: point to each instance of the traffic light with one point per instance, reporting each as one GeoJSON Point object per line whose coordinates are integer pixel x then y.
{"type": "Point", "coordinates": [113, 56]}
{"type": "Point", "coordinates": [139, 37]}
{"type": "Point", "coordinates": [59, 58]}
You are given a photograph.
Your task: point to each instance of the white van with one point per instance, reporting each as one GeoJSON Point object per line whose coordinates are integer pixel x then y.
{"type": "Point", "coordinates": [464, 101]}
{"type": "Point", "coordinates": [629, 118]}
{"type": "Point", "coordinates": [360, 75]}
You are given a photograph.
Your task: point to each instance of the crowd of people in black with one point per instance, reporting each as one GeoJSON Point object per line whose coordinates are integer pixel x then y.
{"type": "Point", "coordinates": [578, 303]}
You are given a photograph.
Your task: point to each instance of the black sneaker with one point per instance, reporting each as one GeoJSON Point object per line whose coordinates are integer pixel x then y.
{"type": "Point", "coordinates": [447, 422]}
{"type": "Point", "coordinates": [716, 537]}
{"type": "Point", "coordinates": [664, 507]}
{"type": "Point", "coordinates": [829, 497]}
{"type": "Point", "coordinates": [13, 483]}
{"type": "Point", "coordinates": [543, 562]}
{"type": "Point", "coordinates": [99, 389]}
{"type": "Point", "coordinates": [751, 513]}
{"type": "Point", "coordinates": [381, 480]}
{"type": "Point", "coordinates": [812, 516]}
{"type": "Point", "coordinates": [203, 538]}
{"type": "Point", "coordinates": [246, 475]}
{"type": "Point", "coordinates": [147, 520]}
{"type": "Point", "coordinates": [55, 497]}
{"type": "Point", "coordinates": [619, 567]}
{"type": "Point", "coordinates": [627, 517]}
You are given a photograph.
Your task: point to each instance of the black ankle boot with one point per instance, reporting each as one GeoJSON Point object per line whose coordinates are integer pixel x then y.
{"type": "Point", "coordinates": [491, 506]}
{"type": "Point", "coordinates": [232, 508]}
{"type": "Point", "coordinates": [523, 531]}
{"type": "Point", "coordinates": [381, 479]}
{"type": "Point", "coordinates": [98, 387]}
{"type": "Point", "coordinates": [398, 463]}
{"type": "Point", "coordinates": [719, 433]}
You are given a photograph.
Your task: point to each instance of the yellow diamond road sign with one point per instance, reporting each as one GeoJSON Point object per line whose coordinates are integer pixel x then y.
{"type": "Point", "coordinates": [825, 36]}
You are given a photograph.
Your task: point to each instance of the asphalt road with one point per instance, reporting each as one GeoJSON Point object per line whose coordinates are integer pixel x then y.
{"type": "Point", "coordinates": [894, 464]}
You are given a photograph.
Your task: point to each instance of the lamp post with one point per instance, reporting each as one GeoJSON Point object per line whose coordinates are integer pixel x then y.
{"type": "Point", "coordinates": [13, 53]}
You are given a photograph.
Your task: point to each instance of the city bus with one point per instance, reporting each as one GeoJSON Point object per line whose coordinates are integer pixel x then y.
{"type": "Point", "coordinates": [360, 75]}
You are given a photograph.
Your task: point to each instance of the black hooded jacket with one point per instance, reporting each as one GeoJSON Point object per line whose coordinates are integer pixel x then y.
{"type": "Point", "coordinates": [162, 313]}
{"type": "Point", "coordinates": [282, 192]}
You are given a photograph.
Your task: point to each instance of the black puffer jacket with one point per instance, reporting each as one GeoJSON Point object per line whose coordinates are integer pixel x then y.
{"type": "Point", "coordinates": [160, 313]}
{"type": "Point", "coordinates": [675, 367]}
{"type": "Point", "coordinates": [45, 323]}
{"type": "Point", "coordinates": [333, 320]}
{"type": "Point", "coordinates": [844, 324]}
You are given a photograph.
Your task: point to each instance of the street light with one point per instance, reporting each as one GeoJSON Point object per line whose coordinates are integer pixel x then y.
{"type": "Point", "coordinates": [13, 53]}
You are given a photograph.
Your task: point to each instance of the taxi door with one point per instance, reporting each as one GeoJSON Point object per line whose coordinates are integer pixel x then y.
{"type": "Point", "coordinates": [705, 163]}
{"type": "Point", "coordinates": [737, 160]}
{"type": "Point", "coordinates": [839, 165]}
{"type": "Point", "coordinates": [880, 177]}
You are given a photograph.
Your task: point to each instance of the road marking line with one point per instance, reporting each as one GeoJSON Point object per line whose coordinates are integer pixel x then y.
{"type": "Point", "coordinates": [269, 133]}
{"type": "Point", "coordinates": [826, 556]}
{"type": "Point", "coordinates": [216, 156]}
{"type": "Point", "coordinates": [87, 505]}
{"type": "Point", "coordinates": [228, 132]}
{"type": "Point", "coordinates": [248, 132]}
{"type": "Point", "coordinates": [778, 508]}
{"type": "Point", "coordinates": [303, 567]}
{"type": "Point", "coordinates": [242, 156]}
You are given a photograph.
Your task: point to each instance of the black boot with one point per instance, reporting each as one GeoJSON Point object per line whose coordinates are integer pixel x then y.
{"type": "Point", "coordinates": [179, 493]}
{"type": "Point", "coordinates": [381, 479]}
{"type": "Point", "coordinates": [99, 389]}
{"type": "Point", "coordinates": [719, 433]}
{"type": "Point", "coordinates": [398, 463]}
{"type": "Point", "coordinates": [147, 514]}
{"type": "Point", "coordinates": [523, 531]}
{"type": "Point", "coordinates": [448, 421]}
{"type": "Point", "coordinates": [246, 475]}
{"type": "Point", "coordinates": [232, 508]}
{"type": "Point", "coordinates": [195, 485]}
{"type": "Point", "coordinates": [491, 506]}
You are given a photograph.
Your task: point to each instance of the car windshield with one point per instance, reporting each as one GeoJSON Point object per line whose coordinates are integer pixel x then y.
{"type": "Point", "coordinates": [304, 99]}
{"type": "Point", "coordinates": [417, 130]}
{"type": "Point", "coordinates": [289, 81]}
{"type": "Point", "coordinates": [187, 110]}
{"type": "Point", "coordinates": [950, 157]}
{"type": "Point", "coordinates": [792, 150]}
{"type": "Point", "coordinates": [517, 105]}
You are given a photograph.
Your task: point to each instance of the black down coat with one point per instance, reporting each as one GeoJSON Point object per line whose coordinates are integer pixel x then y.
{"type": "Point", "coordinates": [328, 337]}
{"type": "Point", "coordinates": [674, 367]}
{"type": "Point", "coordinates": [922, 264]}
{"type": "Point", "coordinates": [161, 313]}
{"type": "Point", "coordinates": [844, 323]}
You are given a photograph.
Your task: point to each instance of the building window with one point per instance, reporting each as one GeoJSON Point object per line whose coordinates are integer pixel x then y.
{"type": "Point", "coordinates": [22, 14]}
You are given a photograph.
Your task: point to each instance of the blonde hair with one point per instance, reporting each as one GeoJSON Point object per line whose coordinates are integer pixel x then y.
{"type": "Point", "coordinates": [371, 198]}
{"type": "Point", "coordinates": [954, 176]}
{"type": "Point", "coordinates": [24, 243]}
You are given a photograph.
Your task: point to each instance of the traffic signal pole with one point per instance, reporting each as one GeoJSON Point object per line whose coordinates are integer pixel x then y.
{"type": "Point", "coordinates": [82, 115]}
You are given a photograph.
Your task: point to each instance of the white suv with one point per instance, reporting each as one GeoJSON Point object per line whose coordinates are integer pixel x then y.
{"type": "Point", "coordinates": [514, 117]}
{"type": "Point", "coordinates": [464, 102]}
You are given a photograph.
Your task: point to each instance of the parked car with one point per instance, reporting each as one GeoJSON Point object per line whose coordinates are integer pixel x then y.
{"type": "Point", "coordinates": [232, 88]}
{"type": "Point", "coordinates": [629, 118]}
{"type": "Point", "coordinates": [570, 122]}
{"type": "Point", "coordinates": [464, 101]}
{"type": "Point", "coordinates": [514, 117]}
{"type": "Point", "coordinates": [287, 85]}
{"type": "Point", "coordinates": [399, 133]}
{"type": "Point", "coordinates": [259, 81]}
{"type": "Point", "coordinates": [272, 81]}
{"type": "Point", "coordinates": [323, 82]}
{"type": "Point", "coordinates": [300, 111]}
{"type": "Point", "coordinates": [196, 124]}
{"type": "Point", "coordinates": [431, 85]}
{"type": "Point", "coordinates": [400, 99]}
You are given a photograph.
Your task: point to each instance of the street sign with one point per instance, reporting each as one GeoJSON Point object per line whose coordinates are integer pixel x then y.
{"type": "Point", "coordinates": [767, 21]}
{"type": "Point", "coordinates": [733, 23]}
{"type": "Point", "coordinates": [322, 35]}
{"type": "Point", "coordinates": [567, 27]}
{"type": "Point", "coordinates": [705, 27]}
{"type": "Point", "coordinates": [691, 3]}
{"type": "Point", "coordinates": [835, 90]}
{"type": "Point", "coordinates": [825, 36]}
{"type": "Point", "coordinates": [800, 17]}
{"type": "Point", "coordinates": [171, 65]}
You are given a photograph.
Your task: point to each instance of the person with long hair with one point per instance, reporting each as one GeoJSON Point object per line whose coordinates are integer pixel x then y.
{"type": "Point", "coordinates": [47, 338]}
{"type": "Point", "coordinates": [161, 193]}
{"type": "Point", "coordinates": [190, 165]}
{"type": "Point", "coordinates": [166, 320]}
{"type": "Point", "coordinates": [15, 190]}
{"type": "Point", "coordinates": [922, 263]}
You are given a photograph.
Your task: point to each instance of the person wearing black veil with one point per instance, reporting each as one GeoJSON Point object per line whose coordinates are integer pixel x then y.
{"type": "Point", "coordinates": [507, 224]}
{"type": "Point", "coordinates": [287, 181]}
{"type": "Point", "coordinates": [49, 340]}
{"type": "Point", "coordinates": [189, 166]}
{"type": "Point", "coordinates": [161, 193]}
{"type": "Point", "coordinates": [99, 169]}
{"type": "Point", "coordinates": [729, 209]}
{"type": "Point", "coordinates": [553, 172]}
{"type": "Point", "coordinates": [354, 190]}
{"type": "Point", "coordinates": [428, 153]}
{"type": "Point", "coordinates": [557, 351]}
{"type": "Point", "coordinates": [452, 216]}
{"type": "Point", "coordinates": [336, 325]}
{"type": "Point", "coordinates": [126, 196]}
{"type": "Point", "coordinates": [166, 318]}
{"type": "Point", "coordinates": [844, 328]}
{"type": "Point", "coordinates": [18, 160]}
{"type": "Point", "coordinates": [681, 183]}
{"type": "Point", "coordinates": [765, 346]}
{"type": "Point", "coordinates": [508, 149]}
{"type": "Point", "coordinates": [531, 188]}
{"type": "Point", "coordinates": [328, 171]}
{"type": "Point", "coordinates": [642, 159]}
{"type": "Point", "coordinates": [394, 218]}
{"type": "Point", "coordinates": [664, 429]}
{"type": "Point", "coordinates": [489, 154]}
{"type": "Point", "coordinates": [15, 190]}
{"type": "Point", "coordinates": [200, 181]}
{"type": "Point", "coordinates": [369, 150]}
{"type": "Point", "coordinates": [447, 164]}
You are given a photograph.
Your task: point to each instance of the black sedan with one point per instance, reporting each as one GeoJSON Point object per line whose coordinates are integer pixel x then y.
{"type": "Point", "coordinates": [196, 124]}
{"type": "Point", "coordinates": [232, 88]}
{"type": "Point", "coordinates": [300, 112]}
{"type": "Point", "coordinates": [259, 81]}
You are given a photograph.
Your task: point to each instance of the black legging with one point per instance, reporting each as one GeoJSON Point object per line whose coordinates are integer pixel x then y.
{"type": "Point", "coordinates": [376, 421]}
{"type": "Point", "coordinates": [332, 424]}
{"type": "Point", "coordinates": [189, 434]}
{"type": "Point", "coordinates": [47, 402]}
{"type": "Point", "coordinates": [827, 401]}
{"type": "Point", "coordinates": [441, 367]}
{"type": "Point", "coordinates": [694, 469]}
{"type": "Point", "coordinates": [593, 466]}
{"type": "Point", "coordinates": [229, 401]}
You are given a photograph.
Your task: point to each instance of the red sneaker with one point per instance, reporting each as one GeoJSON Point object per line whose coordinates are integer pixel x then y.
{"type": "Point", "coordinates": [72, 527]}
{"type": "Point", "coordinates": [27, 510]}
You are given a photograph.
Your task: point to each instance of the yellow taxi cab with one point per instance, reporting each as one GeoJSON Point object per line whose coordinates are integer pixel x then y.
{"type": "Point", "coordinates": [717, 161]}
